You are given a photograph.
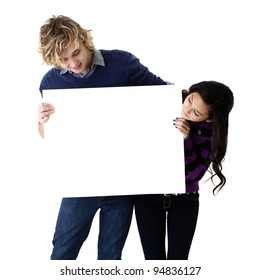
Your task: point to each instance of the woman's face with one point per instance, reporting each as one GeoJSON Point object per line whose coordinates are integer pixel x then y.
{"type": "Point", "coordinates": [194, 108]}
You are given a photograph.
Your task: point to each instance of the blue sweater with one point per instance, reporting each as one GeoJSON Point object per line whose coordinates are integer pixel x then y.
{"type": "Point", "coordinates": [121, 69]}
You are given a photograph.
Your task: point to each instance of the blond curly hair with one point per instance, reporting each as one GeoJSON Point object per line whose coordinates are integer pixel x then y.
{"type": "Point", "coordinates": [57, 34]}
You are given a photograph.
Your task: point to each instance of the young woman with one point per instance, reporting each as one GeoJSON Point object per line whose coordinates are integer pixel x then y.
{"type": "Point", "coordinates": [204, 124]}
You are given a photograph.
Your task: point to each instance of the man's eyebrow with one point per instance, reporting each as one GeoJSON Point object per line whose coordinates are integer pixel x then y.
{"type": "Point", "coordinates": [76, 50]}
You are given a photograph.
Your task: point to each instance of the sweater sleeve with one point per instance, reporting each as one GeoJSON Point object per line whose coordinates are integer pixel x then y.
{"type": "Point", "coordinates": [196, 159]}
{"type": "Point", "coordinates": [140, 74]}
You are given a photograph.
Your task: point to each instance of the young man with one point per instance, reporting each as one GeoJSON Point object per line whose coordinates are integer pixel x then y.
{"type": "Point", "coordinates": [68, 47]}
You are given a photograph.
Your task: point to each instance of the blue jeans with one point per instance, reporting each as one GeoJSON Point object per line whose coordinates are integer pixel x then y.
{"type": "Point", "coordinates": [156, 213]}
{"type": "Point", "coordinates": [74, 223]}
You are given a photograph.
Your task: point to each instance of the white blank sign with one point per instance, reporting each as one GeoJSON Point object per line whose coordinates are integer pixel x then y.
{"type": "Point", "coordinates": [114, 141]}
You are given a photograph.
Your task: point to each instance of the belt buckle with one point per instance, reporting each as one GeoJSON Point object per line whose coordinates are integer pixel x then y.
{"type": "Point", "coordinates": [167, 194]}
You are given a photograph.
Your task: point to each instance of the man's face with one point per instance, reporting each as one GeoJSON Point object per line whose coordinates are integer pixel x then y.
{"type": "Point", "coordinates": [77, 58]}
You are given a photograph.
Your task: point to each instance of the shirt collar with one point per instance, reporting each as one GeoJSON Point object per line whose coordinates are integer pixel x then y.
{"type": "Point", "coordinates": [97, 60]}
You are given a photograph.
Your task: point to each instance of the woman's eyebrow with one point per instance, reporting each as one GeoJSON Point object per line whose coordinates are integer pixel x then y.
{"type": "Point", "coordinates": [195, 109]}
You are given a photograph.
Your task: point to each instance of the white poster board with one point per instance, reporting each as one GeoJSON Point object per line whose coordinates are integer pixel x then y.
{"type": "Point", "coordinates": [114, 141]}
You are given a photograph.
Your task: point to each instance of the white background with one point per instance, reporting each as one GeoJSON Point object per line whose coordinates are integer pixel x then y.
{"type": "Point", "coordinates": [182, 41]}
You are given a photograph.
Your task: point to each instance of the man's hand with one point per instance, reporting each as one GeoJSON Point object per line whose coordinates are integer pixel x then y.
{"type": "Point", "coordinates": [44, 112]}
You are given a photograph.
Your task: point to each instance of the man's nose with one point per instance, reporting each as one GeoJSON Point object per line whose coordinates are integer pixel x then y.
{"type": "Point", "coordinates": [72, 62]}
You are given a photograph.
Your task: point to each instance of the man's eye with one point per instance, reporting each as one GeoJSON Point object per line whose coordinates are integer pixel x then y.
{"type": "Point", "coordinates": [76, 52]}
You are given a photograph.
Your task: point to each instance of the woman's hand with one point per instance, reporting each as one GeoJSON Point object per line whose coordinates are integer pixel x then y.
{"type": "Point", "coordinates": [44, 112]}
{"type": "Point", "coordinates": [183, 126]}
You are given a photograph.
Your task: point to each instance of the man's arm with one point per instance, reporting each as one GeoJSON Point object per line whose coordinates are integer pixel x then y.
{"type": "Point", "coordinates": [41, 129]}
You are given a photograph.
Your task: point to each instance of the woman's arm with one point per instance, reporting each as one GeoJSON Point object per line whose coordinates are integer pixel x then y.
{"type": "Point", "coordinates": [196, 159]}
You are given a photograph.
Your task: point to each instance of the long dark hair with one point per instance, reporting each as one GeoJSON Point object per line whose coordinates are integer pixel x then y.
{"type": "Point", "coordinates": [221, 100]}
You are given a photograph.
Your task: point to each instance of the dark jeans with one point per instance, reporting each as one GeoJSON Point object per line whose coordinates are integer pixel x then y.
{"type": "Point", "coordinates": [176, 213]}
{"type": "Point", "coordinates": [74, 223]}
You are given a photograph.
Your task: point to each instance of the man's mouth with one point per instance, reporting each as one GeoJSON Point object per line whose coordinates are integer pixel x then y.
{"type": "Point", "coordinates": [78, 67]}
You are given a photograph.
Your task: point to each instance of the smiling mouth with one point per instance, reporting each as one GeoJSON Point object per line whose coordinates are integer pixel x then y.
{"type": "Point", "coordinates": [78, 67]}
